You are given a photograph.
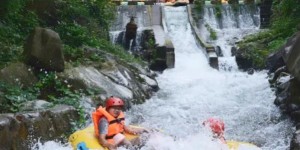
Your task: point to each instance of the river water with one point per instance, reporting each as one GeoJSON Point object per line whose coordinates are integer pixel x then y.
{"type": "Point", "coordinates": [193, 91]}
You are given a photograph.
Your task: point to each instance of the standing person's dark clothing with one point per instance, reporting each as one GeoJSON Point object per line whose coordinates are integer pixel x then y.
{"type": "Point", "coordinates": [130, 34]}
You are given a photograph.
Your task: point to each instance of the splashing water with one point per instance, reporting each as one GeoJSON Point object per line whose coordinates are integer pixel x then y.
{"type": "Point", "coordinates": [193, 91]}
{"type": "Point", "coordinates": [233, 26]}
{"type": "Point", "coordinates": [51, 145]}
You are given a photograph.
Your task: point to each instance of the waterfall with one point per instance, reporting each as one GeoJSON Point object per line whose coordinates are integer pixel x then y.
{"type": "Point", "coordinates": [193, 91]}
{"type": "Point", "coordinates": [233, 24]}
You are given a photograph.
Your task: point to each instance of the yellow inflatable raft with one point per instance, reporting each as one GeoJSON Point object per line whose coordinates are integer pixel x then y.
{"type": "Point", "coordinates": [86, 140]}
{"type": "Point", "coordinates": [235, 145]}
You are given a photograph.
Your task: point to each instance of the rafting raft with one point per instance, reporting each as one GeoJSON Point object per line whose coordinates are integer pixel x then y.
{"type": "Point", "coordinates": [86, 140]}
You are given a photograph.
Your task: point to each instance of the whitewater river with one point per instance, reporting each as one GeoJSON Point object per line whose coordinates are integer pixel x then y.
{"type": "Point", "coordinates": [193, 91]}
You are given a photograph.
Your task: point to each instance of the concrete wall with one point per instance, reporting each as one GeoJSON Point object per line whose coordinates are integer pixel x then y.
{"type": "Point", "coordinates": [148, 16]}
{"type": "Point", "coordinates": [164, 45]}
{"type": "Point", "coordinates": [208, 50]}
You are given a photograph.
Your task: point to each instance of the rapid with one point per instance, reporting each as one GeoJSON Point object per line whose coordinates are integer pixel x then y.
{"type": "Point", "coordinates": [193, 91]}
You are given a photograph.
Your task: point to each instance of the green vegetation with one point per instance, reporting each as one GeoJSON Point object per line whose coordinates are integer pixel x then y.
{"type": "Point", "coordinates": [286, 17]}
{"type": "Point", "coordinates": [285, 20]}
{"type": "Point", "coordinates": [80, 23]}
{"type": "Point", "coordinates": [218, 11]}
{"type": "Point", "coordinates": [233, 1]}
{"type": "Point", "coordinates": [12, 97]}
{"type": "Point", "coordinates": [199, 5]}
{"type": "Point", "coordinates": [213, 34]}
{"type": "Point", "coordinates": [49, 88]}
{"type": "Point", "coordinates": [15, 24]}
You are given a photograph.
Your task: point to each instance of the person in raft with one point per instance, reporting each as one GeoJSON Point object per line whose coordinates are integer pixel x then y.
{"type": "Point", "coordinates": [109, 124]}
{"type": "Point", "coordinates": [217, 127]}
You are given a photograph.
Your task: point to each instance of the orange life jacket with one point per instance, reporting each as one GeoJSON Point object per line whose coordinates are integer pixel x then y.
{"type": "Point", "coordinates": [116, 125]}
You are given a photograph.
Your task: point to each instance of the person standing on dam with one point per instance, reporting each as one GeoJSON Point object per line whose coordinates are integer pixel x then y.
{"type": "Point", "coordinates": [130, 34]}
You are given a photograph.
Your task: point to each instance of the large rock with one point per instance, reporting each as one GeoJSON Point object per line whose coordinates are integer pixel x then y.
{"type": "Point", "coordinates": [132, 82]}
{"type": "Point", "coordinates": [138, 80]}
{"type": "Point", "coordinates": [292, 55]}
{"type": "Point", "coordinates": [243, 62]}
{"type": "Point", "coordinates": [19, 131]}
{"type": "Point", "coordinates": [295, 143]}
{"type": "Point", "coordinates": [132, 86]}
{"type": "Point", "coordinates": [18, 74]}
{"type": "Point", "coordinates": [36, 105]}
{"type": "Point", "coordinates": [43, 49]}
{"type": "Point", "coordinates": [9, 132]}
{"type": "Point", "coordinates": [275, 61]}
{"type": "Point", "coordinates": [92, 78]}
{"type": "Point", "coordinates": [288, 92]}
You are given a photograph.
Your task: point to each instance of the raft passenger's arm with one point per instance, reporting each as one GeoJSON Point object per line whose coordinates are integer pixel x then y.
{"type": "Point", "coordinates": [104, 143]}
{"type": "Point", "coordinates": [131, 130]}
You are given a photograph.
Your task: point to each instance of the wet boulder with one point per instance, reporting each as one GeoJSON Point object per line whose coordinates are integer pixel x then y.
{"type": "Point", "coordinates": [149, 81]}
{"type": "Point", "coordinates": [295, 143]}
{"type": "Point", "coordinates": [243, 62]}
{"type": "Point", "coordinates": [113, 76]}
{"type": "Point", "coordinates": [36, 105]}
{"type": "Point", "coordinates": [288, 98]}
{"type": "Point", "coordinates": [292, 55]}
{"type": "Point", "coordinates": [243, 57]}
{"type": "Point", "coordinates": [92, 78]}
{"type": "Point", "coordinates": [20, 131]}
{"type": "Point", "coordinates": [10, 136]}
{"type": "Point", "coordinates": [246, 55]}
{"type": "Point", "coordinates": [219, 51]}
{"type": "Point", "coordinates": [275, 61]}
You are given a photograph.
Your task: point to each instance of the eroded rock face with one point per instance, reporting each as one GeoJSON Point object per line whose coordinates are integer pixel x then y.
{"type": "Point", "coordinates": [43, 49]}
{"type": "Point", "coordinates": [242, 57]}
{"type": "Point", "coordinates": [9, 130]}
{"type": "Point", "coordinates": [127, 83]}
{"type": "Point", "coordinates": [292, 55]}
{"type": "Point", "coordinates": [295, 143]}
{"type": "Point", "coordinates": [275, 61]}
{"type": "Point", "coordinates": [92, 78]}
{"type": "Point", "coordinates": [287, 61]}
{"type": "Point", "coordinates": [18, 131]}
{"type": "Point", "coordinates": [287, 94]}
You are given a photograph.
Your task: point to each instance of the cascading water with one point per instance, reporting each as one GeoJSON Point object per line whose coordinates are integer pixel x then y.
{"type": "Point", "coordinates": [193, 91]}
{"type": "Point", "coordinates": [230, 27]}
